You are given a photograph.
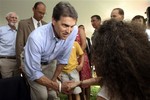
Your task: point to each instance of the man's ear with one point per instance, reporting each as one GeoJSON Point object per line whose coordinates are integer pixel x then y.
{"type": "Point", "coordinates": [53, 21]}
{"type": "Point", "coordinates": [33, 9]}
{"type": "Point", "coordinates": [7, 18]}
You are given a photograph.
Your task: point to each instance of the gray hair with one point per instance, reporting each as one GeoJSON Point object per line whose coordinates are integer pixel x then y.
{"type": "Point", "coordinates": [10, 13]}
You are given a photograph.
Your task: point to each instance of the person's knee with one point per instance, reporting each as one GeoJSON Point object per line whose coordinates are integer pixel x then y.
{"type": "Point", "coordinates": [77, 90]}
{"type": "Point", "coordinates": [52, 95]}
{"type": "Point", "coordinates": [40, 95]}
{"type": "Point", "coordinates": [43, 96]}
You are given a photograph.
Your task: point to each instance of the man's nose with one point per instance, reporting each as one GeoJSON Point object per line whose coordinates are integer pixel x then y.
{"type": "Point", "coordinates": [69, 29]}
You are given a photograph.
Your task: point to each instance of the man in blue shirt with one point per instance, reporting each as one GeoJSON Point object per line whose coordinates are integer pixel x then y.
{"type": "Point", "coordinates": [8, 66]}
{"type": "Point", "coordinates": [47, 43]}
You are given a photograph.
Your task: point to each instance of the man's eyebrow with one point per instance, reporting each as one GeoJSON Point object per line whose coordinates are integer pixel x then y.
{"type": "Point", "coordinates": [68, 25]}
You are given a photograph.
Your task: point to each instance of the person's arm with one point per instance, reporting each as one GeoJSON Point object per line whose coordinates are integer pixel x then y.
{"type": "Point", "coordinates": [80, 56]}
{"type": "Point", "coordinates": [83, 39]}
{"type": "Point", "coordinates": [47, 82]}
{"type": "Point", "coordinates": [64, 87]}
{"type": "Point", "coordinates": [91, 81]}
{"type": "Point", "coordinates": [81, 60]}
{"type": "Point", "coordinates": [58, 71]}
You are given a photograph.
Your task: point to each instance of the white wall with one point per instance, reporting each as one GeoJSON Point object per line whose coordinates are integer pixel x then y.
{"type": "Point", "coordinates": [85, 9]}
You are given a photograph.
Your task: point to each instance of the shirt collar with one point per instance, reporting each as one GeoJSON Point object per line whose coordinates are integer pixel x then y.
{"type": "Point", "coordinates": [53, 34]}
{"type": "Point", "coordinates": [9, 28]}
{"type": "Point", "coordinates": [35, 21]}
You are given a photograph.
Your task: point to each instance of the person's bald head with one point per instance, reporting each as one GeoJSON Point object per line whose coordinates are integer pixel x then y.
{"type": "Point", "coordinates": [117, 14]}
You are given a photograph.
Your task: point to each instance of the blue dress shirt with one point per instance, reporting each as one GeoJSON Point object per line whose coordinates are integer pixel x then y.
{"type": "Point", "coordinates": [7, 41]}
{"type": "Point", "coordinates": [43, 46]}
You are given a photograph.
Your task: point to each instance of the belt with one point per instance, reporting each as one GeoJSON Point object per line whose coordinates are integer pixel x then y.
{"type": "Point", "coordinates": [8, 57]}
{"type": "Point", "coordinates": [44, 63]}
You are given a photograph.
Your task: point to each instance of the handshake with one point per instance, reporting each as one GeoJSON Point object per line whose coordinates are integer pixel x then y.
{"type": "Point", "coordinates": [67, 87]}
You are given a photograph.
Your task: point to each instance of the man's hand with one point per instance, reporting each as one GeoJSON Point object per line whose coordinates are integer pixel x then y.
{"type": "Point", "coordinates": [67, 87]}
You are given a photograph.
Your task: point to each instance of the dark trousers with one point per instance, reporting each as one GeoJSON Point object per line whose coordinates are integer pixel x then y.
{"type": "Point", "coordinates": [14, 88]}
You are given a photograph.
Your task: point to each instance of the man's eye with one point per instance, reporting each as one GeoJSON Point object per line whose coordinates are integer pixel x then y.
{"type": "Point", "coordinates": [65, 25]}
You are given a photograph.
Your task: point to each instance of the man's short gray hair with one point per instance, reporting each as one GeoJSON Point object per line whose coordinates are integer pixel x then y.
{"type": "Point", "coordinates": [10, 13]}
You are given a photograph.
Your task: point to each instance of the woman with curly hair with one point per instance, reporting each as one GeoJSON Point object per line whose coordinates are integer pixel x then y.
{"type": "Point", "coordinates": [122, 55]}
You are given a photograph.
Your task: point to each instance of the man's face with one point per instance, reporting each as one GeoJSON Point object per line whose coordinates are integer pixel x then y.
{"type": "Point", "coordinates": [39, 12]}
{"type": "Point", "coordinates": [95, 22]}
{"type": "Point", "coordinates": [63, 27]}
{"type": "Point", "coordinates": [12, 19]}
{"type": "Point", "coordinates": [115, 15]}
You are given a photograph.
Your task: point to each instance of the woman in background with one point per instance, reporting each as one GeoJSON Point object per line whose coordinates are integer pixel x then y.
{"type": "Point", "coordinates": [139, 19]}
{"type": "Point", "coordinates": [85, 73]}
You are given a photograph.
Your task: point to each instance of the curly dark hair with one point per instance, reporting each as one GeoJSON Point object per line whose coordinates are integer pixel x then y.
{"type": "Point", "coordinates": [121, 54]}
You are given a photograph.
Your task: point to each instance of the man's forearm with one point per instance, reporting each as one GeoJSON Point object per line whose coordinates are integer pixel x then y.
{"type": "Point", "coordinates": [57, 71]}
{"type": "Point", "coordinates": [47, 82]}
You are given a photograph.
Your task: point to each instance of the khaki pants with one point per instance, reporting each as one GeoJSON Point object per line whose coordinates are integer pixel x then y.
{"type": "Point", "coordinates": [72, 76]}
{"type": "Point", "coordinates": [39, 92]}
{"type": "Point", "coordinates": [8, 68]}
